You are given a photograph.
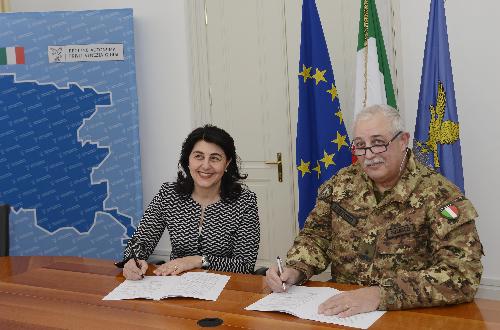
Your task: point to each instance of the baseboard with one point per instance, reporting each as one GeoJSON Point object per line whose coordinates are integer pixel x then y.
{"type": "Point", "coordinates": [489, 289]}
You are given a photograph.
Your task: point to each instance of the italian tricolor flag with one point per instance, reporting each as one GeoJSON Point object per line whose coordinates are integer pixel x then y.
{"type": "Point", "coordinates": [373, 75]}
{"type": "Point", "coordinates": [450, 212]}
{"type": "Point", "coordinates": [11, 55]}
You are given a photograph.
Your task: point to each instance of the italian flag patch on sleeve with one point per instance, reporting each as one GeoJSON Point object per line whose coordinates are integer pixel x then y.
{"type": "Point", "coordinates": [11, 55]}
{"type": "Point", "coordinates": [450, 212]}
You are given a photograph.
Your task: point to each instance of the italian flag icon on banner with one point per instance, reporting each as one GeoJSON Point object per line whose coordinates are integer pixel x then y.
{"type": "Point", "coordinates": [11, 55]}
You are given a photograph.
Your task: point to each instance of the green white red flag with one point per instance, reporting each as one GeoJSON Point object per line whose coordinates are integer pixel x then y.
{"type": "Point", "coordinates": [373, 74]}
{"type": "Point", "coordinates": [11, 55]}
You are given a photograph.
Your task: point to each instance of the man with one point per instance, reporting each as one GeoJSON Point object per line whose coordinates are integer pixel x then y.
{"type": "Point", "coordinates": [388, 223]}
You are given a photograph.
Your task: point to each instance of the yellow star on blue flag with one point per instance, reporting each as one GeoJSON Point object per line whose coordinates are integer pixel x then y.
{"type": "Point", "coordinates": [341, 141]}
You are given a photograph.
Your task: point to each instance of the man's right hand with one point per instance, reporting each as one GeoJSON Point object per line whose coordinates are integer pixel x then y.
{"type": "Point", "coordinates": [132, 272]}
{"type": "Point", "coordinates": [290, 276]}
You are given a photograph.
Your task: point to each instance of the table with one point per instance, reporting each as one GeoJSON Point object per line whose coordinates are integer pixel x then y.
{"type": "Point", "coordinates": [67, 292]}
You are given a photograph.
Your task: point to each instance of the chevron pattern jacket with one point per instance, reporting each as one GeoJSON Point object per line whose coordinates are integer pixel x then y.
{"type": "Point", "coordinates": [229, 236]}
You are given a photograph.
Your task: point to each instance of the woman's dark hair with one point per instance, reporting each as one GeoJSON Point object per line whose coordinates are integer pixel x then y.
{"type": "Point", "coordinates": [230, 185]}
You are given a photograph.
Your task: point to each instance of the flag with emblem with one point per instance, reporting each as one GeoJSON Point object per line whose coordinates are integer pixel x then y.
{"type": "Point", "coordinates": [436, 139]}
{"type": "Point", "coordinates": [322, 141]}
{"type": "Point", "coordinates": [373, 75]}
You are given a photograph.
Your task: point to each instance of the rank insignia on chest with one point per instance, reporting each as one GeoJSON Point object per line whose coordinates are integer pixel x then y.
{"type": "Point", "coordinates": [400, 230]}
{"type": "Point", "coordinates": [450, 211]}
{"type": "Point", "coordinates": [351, 219]}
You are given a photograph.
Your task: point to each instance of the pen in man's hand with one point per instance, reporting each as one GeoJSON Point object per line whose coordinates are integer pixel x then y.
{"type": "Point", "coordinates": [280, 270]}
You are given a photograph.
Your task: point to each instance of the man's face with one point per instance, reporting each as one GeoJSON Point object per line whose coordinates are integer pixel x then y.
{"type": "Point", "coordinates": [383, 168]}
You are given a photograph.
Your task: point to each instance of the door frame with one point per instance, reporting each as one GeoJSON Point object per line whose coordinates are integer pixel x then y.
{"type": "Point", "coordinates": [202, 111]}
{"type": "Point", "coordinates": [197, 29]}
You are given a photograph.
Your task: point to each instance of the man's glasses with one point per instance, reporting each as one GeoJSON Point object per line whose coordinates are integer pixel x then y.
{"type": "Point", "coordinates": [375, 149]}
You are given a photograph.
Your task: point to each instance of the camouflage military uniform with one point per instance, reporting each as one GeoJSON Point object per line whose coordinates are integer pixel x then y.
{"type": "Point", "coordinates": [407, 244]}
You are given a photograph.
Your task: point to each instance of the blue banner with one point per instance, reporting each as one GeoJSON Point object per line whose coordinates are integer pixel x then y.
{"type": "Point", "coordinates": [322, 143]}
{"type": "Point", "coordinates": [69, 143]}
{"type": "Point", "coordinates": [437, 138]}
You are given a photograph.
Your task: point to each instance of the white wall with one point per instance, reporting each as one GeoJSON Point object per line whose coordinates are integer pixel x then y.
{"type": "Point", "coordinates": [163, 78]}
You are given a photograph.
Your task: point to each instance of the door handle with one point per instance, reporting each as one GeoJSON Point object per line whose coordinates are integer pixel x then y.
{"type": "Point", "coordinates": [278, 162]}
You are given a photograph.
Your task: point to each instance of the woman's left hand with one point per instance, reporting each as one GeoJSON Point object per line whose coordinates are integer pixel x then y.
{"type": "Point", "coordinates": [177, 266]}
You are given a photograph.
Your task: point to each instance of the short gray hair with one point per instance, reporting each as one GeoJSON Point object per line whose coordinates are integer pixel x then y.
{"type": "Point", "coordinates": [386, 110]}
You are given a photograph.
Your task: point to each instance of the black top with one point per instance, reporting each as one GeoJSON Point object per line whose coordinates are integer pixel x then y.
{"type": "Point", "coordinates": [229, 237]}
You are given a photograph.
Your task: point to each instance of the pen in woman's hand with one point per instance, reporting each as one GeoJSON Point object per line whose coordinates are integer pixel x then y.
{"type": "Point", "coordinates": [137, 264]}
{"type": "Point", "coordinates": [280, 270]}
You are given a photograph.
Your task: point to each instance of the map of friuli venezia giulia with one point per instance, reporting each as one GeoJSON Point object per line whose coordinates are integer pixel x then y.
{"type": "Point", "coordinates": [69, 142]}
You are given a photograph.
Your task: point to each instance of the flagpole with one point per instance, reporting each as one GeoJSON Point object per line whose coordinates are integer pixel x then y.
{"type": "Point", "coordinates": [365, 27]}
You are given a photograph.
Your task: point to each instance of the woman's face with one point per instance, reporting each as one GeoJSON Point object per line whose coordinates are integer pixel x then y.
{"type": "Point", "coordinates": [207, 163]}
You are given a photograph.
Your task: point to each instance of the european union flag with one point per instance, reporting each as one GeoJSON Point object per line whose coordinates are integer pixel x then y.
{"type": "Point", "coordinates": [437, 139]}
{"type": "Point", "coordinates": [322, 141]}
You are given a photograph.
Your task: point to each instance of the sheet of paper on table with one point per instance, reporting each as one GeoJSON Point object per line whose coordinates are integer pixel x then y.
{"type": "Point", "coordinates": [303, 302]}
{"type": "Point", "coordinates": [198, 285]}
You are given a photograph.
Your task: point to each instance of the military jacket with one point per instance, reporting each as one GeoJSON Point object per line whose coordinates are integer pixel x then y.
{"type": "Point", "coordinates": [419, 243]}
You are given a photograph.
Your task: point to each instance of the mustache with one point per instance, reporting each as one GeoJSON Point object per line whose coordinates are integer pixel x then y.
{"type": "Point", "coordinates": [376, 160]}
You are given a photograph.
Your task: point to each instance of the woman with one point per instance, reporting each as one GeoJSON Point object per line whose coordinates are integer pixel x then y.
{"type": "Point", "coordinates": [211, 219]}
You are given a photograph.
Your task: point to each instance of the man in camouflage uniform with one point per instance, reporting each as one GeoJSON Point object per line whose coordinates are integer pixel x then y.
{"type": "Point", "coordinates": [390, 224]}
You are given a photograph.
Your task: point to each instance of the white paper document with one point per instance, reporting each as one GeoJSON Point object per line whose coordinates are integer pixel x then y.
{"type": "Point", "coordinates": [303, 302]}
{"type": "Point", "coordinates": [207, 286]}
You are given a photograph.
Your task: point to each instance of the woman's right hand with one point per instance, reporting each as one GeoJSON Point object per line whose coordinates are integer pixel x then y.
{"type": "Point", "coordinates": [132, 272]}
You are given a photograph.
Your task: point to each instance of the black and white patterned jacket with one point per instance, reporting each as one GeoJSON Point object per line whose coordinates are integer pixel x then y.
{"type": "Point", "coordinates": [229, 237]}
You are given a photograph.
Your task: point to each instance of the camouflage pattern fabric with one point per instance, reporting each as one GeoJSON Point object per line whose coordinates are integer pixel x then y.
{"type": "Point", "coordinates": [419, 243]}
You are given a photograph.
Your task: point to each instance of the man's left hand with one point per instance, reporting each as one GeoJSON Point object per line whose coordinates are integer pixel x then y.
{"type": "Point", "coordinates": [353, 302]}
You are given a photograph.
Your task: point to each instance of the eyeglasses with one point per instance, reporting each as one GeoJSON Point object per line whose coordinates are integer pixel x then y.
{"type": "Point", "coordinates": [375, 149]}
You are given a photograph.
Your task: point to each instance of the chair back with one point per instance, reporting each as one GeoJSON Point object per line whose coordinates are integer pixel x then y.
{"type": "Point", "coordinates": [4, 230]}
{"type": "Point", "coordinates": [260, 271]}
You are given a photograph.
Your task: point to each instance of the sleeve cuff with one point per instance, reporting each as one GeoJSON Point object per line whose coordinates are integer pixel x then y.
{"type": "Point", "coordinates": [388, 295]}
{"type": "Point", "coordinates": [303, 268]}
